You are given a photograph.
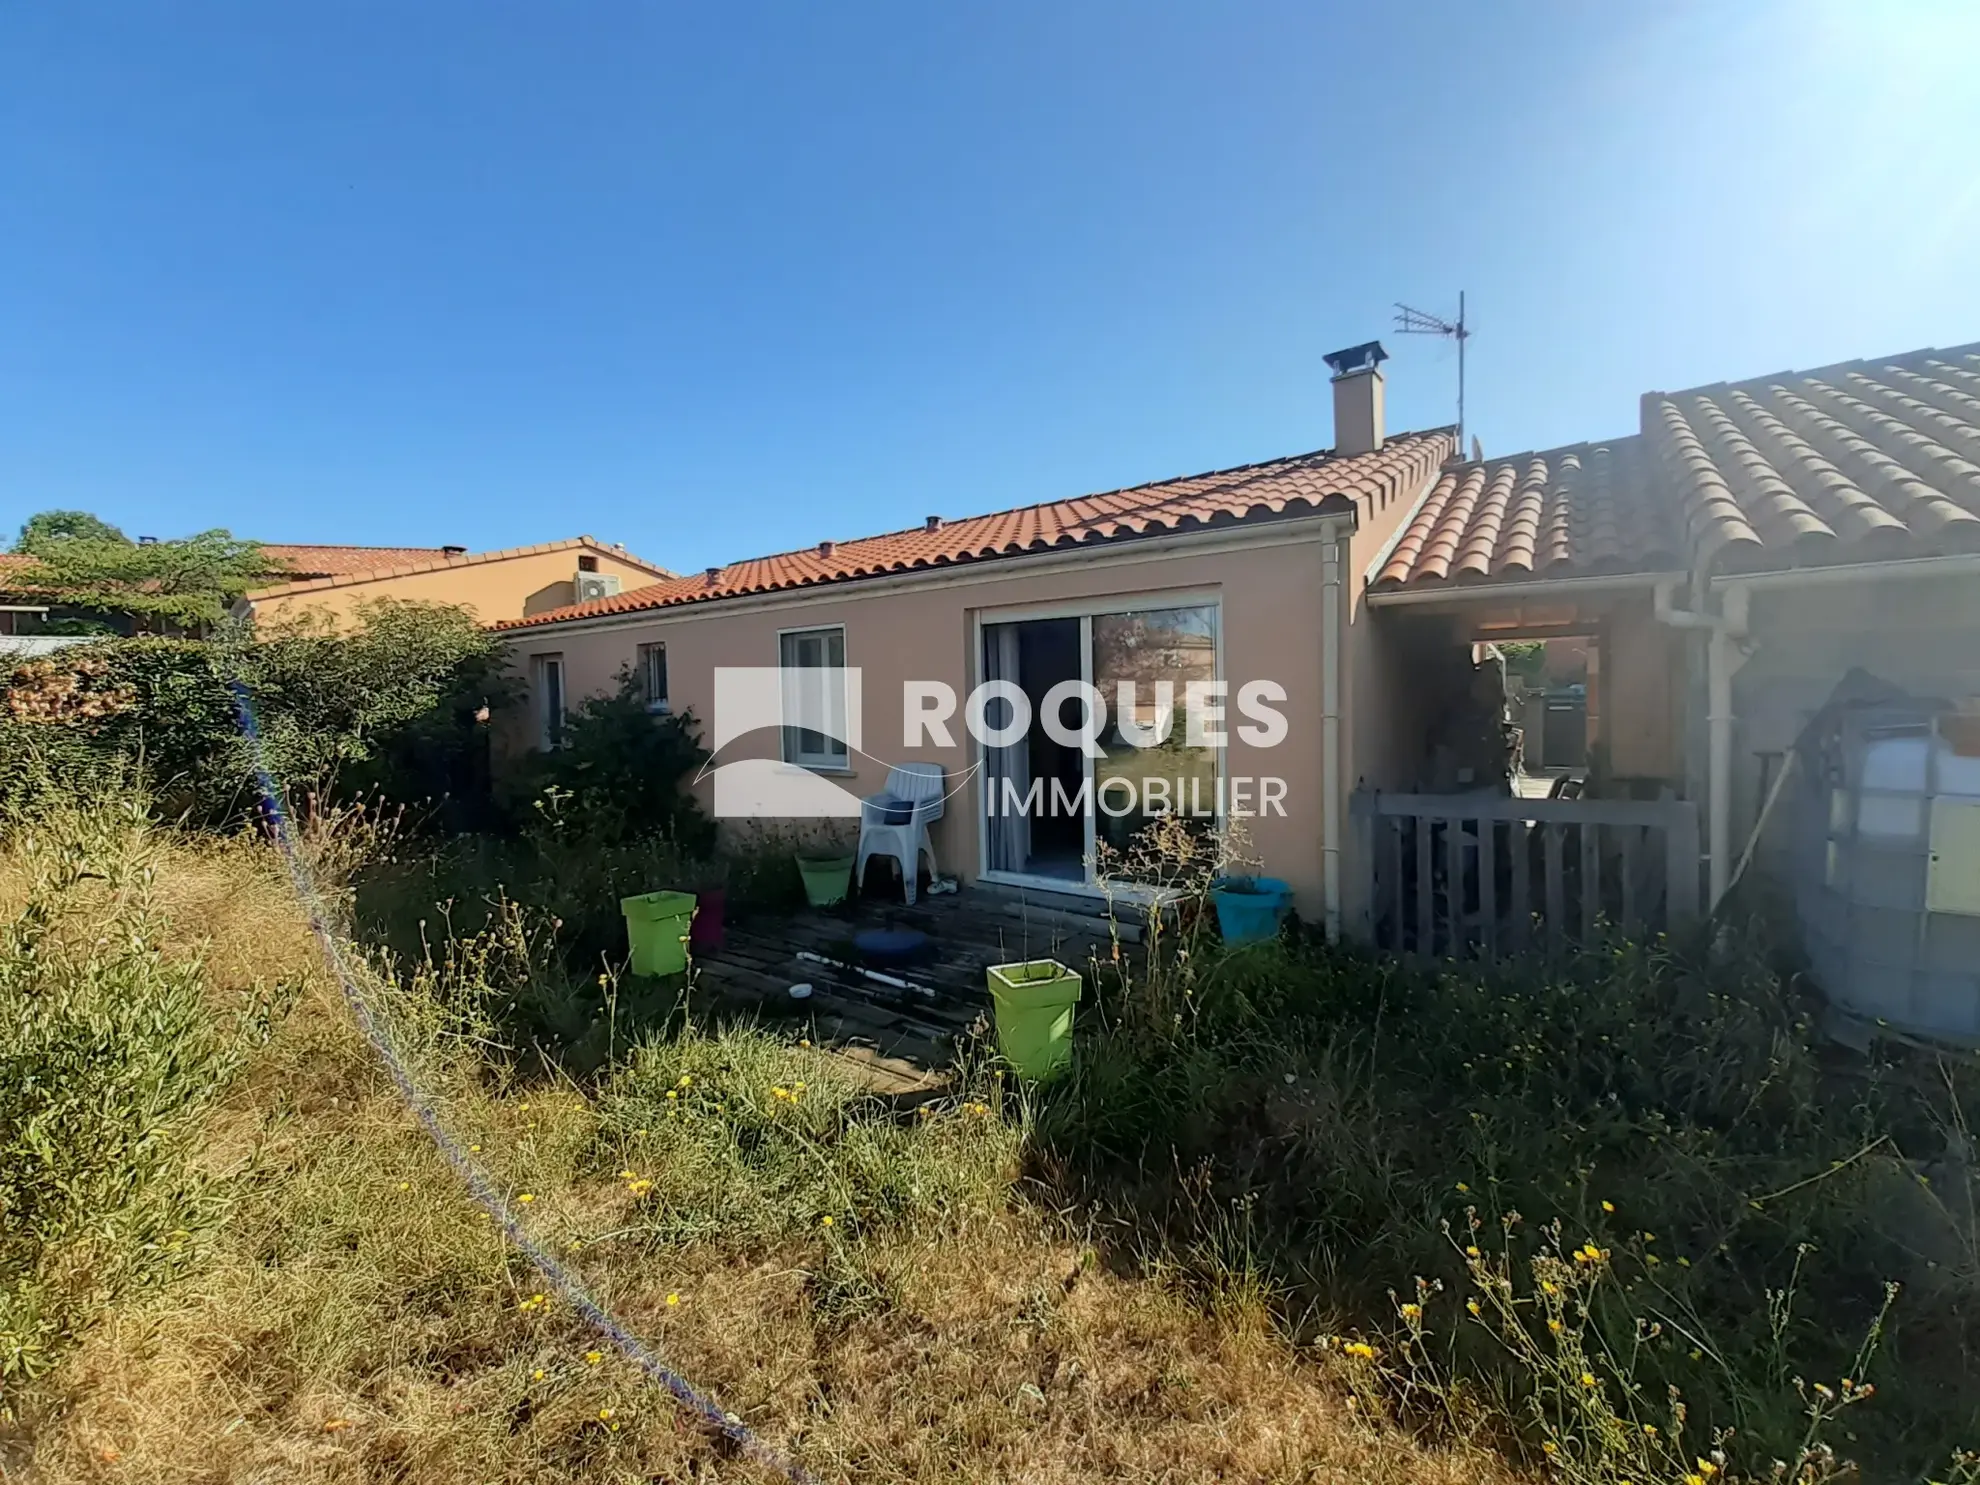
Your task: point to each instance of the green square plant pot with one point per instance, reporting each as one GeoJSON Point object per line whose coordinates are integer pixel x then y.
{"type": "Point", "coordinates": [657, 929]}
{"type": "Point", "coordinates": [1034, 1000]}
{"type": "Point", "coordinates": [826, 878]}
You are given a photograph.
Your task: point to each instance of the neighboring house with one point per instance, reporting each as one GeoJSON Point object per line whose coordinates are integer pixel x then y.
{"type": "Point", "coordinates": [507, 584]}
{"type": "Point", "coordinates": [1242, 575]}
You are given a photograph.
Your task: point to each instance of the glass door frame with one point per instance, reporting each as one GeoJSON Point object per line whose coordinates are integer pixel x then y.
{"type": "Point", "coordinates": [1085, 610]}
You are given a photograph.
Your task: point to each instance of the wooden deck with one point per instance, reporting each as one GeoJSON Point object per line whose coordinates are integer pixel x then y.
{"type": "Point", "coordinates": [902, 1025]}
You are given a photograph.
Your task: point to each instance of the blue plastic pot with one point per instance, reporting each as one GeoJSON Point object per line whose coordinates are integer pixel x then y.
{"type": "Point", "coordinates": [1250, 909]}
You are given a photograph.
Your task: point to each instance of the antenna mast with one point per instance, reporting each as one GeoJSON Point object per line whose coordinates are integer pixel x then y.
{"type": "Point", "coordinates": [1419, 322]}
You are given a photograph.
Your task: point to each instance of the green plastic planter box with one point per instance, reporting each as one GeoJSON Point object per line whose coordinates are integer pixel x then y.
{"type": "Point", "coordinates": [1034, 1002]}
{"type": "Point", "coordinates": [826, 878]}
{"type": "Point", "coordinates": [657, 928]}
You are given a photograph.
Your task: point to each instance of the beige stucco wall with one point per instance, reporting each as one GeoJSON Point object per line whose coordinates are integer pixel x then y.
{"type": "Point", "coordinates": [504, 588]}
{"type": "Point", "coordinates": [1383, 724]}
{"type": "Point", "coordinates": [1268, 590]}
{"type": "Point", "coordinates": [1641, 677]}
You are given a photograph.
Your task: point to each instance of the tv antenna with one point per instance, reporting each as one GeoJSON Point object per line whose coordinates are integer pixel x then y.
{"type": "Point", "coordinates": [1419, 322]}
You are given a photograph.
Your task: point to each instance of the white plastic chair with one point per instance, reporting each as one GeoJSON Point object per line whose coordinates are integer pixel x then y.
{"type": "Point", "coordinates": [919, 786]}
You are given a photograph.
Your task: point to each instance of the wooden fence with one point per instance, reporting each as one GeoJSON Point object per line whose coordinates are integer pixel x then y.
{"type": "Point", "coordinates": [1460, 875]}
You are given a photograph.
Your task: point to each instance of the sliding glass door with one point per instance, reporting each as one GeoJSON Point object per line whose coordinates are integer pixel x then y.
{"type": "Point", "coordinates": [1143, 663]}
{"type": "Point", "coordinates": [1100, 748]}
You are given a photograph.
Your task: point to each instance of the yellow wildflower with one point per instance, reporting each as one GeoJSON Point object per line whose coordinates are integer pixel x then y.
{"type": "Point", "coordinates": [825, 1222]}
{"type": "Point", "coordinates": [526, 1198]}
{"type": "Point", "coordinates": [1360, 1348]}
{"type": "Point", "coordinates": [1471, 1252]}
{"type": "Point", "coordinates": [1608, 1206]}
{"type": "Point", "coordinates": [538, 1375]}
{"type": "Point", "coordinates": [592, 1358]}
{"type": "Point", "coordinates": [1554, 1326]}
{"type": "Point", "coordinates": [639, 1187]}
{"type": "Point", "coordinates": [1550, 1447]}
{"type": "Point", "coordinates": [672, 1094]}
{"type": "Point", "coordinates": [673, 1299]}
{"type": "Point", "coordinates": [1412, 1312]}
{"type": "Point", "coordinates": [686, 1079]}
{"type": "Point", "coordinates": [1472, 1305]}
{"type": "Point", "coordinates": [1462, 1187]}
{"type": "Point", "coordinates": [405, 1185]}
{"type": "Point", "coordinates": [1588, 1379]}
{"type": "Point", "coordinates": [604, 1415]}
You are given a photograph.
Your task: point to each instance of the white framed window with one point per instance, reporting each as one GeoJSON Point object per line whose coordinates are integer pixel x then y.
{"type": "Point", "coordinates": [546, 687]}
{"type": "Point", "coordinates": [813, 662]}
{"type": "Point", "coordinates": [653, 677]}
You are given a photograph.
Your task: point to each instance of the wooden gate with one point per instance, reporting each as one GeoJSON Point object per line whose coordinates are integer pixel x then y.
{"type": "Point", "coordinates": [1460, 875]}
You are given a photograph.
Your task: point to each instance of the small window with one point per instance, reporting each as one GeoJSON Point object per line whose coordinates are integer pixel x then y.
{"type": "Point", "coordinates": [814, 666]}
{"type": "Point", "coordinates": [547, 688]}
{"type": "Point", "coordinates": [653, 676]}
{"type": "Point", "coordinates": [587, 564]}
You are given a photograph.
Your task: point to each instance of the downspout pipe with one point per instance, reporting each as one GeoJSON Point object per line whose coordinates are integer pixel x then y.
{"type": "Point", "coordinates": [1723, 656]}
{"type": "Point", "coordinates": [1332, 643]}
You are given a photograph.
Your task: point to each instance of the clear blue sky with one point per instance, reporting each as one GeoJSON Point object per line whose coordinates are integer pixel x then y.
{"type": "Point", "coordinates": [727, 279]}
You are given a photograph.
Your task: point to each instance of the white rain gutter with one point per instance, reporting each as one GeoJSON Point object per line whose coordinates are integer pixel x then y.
{"type": "Point", "coordinates": [1863, 572]}
{"type": "Point", "coordinates": [1724, 654]}
{"type": "Point", "coordinates": [1332, 642]}
{"type": "Point", "coordinates": [1518, 589]}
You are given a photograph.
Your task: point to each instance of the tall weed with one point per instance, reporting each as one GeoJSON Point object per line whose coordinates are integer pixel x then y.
{"type": "Point", "coordinates": [114, 1052]}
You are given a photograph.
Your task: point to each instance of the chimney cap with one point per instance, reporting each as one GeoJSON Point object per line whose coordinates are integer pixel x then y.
{"type": "Point", "coordinates": [454, 551]}
{"type": "Point", "coordinates": [1357, 358]}
{"type": "Point", "coordinates": [933, 523]}
{"type": "Point", "coordinates": [825, 548]}
{"type": "Point", "coordinates": [714, 575]}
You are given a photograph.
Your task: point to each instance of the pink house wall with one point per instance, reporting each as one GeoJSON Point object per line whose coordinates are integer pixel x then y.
{"type": "Point", "coordinates": [1268, 589]}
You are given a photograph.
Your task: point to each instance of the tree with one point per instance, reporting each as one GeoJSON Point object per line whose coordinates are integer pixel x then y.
{"type": "Point", "coordinates": [89, 564]}
{"type": "Point", "coordinates": [54, 526]}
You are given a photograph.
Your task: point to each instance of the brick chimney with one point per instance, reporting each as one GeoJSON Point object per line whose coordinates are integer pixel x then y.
{"type": "Point", "coordinates": [1358, 397]}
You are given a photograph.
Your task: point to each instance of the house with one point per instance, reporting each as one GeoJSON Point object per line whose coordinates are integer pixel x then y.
{"type": "Point", "coordinates": [1723, 566]}
{"type": "Point", "coordinates": [1751, 551]}
{"type": "Point", "coordinates": [506, 584]}
{"type": "Point", "coordinates": [1245, 579]}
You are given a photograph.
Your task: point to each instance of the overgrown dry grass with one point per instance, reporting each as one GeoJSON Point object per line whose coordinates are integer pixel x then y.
{"type": "Point", "coordinates": [357, 1317]}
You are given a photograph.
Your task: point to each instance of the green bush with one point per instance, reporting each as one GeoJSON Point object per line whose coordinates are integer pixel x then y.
{"type": "Point", "coordinates": [618, 775]}
{"type": "Point", "coordinates": [113, 1053]}
{"type": "Point", "coordinates": [395, 705]}
{"type": "Point", "coordinates": [1751, 1191]}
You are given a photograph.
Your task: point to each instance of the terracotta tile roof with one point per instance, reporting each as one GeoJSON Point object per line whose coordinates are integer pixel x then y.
{"type": "Point", "coordinates": [1281, 487]}
{"type": "Point", "coordinates": [12, 564]}
{"type": "Point", "coordinates": [402, 560]}
{"type": "Point", "coordinates": [1588, 509]}
{"type": "Point", "coordinates": [341, 561]}
{"type": "Point", "coordinates": [1867, 460]}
